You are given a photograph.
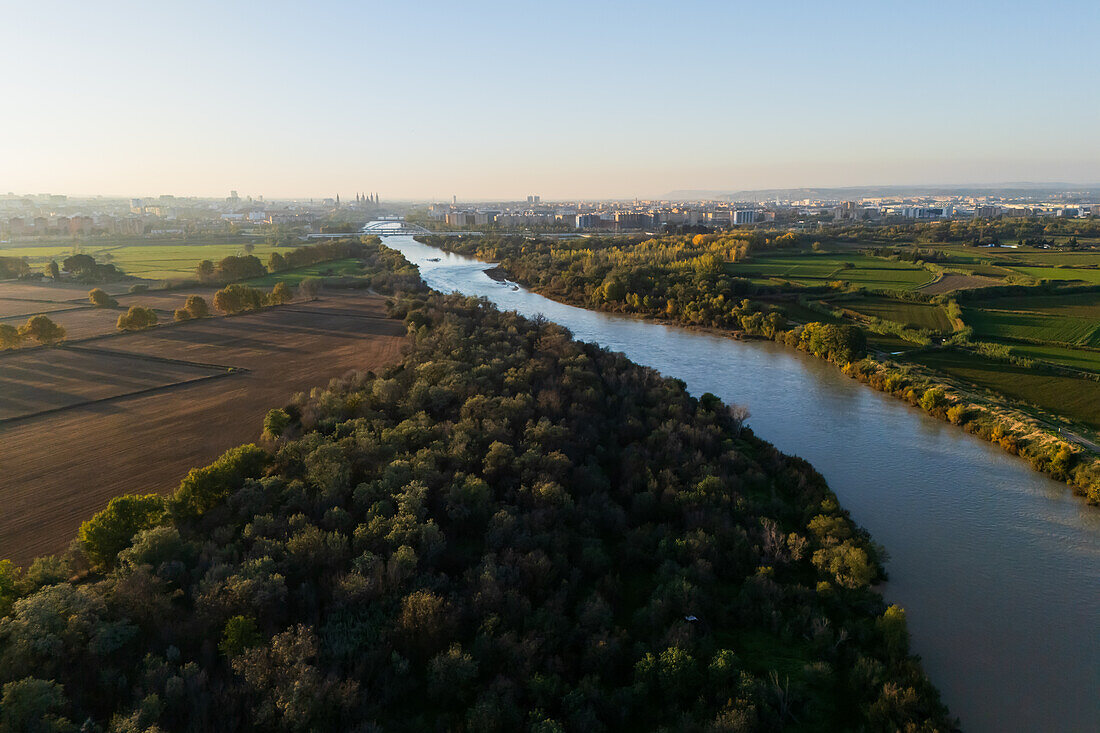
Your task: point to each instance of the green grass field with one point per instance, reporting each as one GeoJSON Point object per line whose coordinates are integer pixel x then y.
{"type": "Point", "coordinates": [1036, 326]}
{"type": "Point", "coordinates": [920, 315]}
{"type": "Point", "coordinates": [152, 261]}
{"type": "Point", "coordinates": [1061, 273]}
{"type": "Point", "coordinates": [336, 268]}
{"type": "Point", "coordinates": [1080, 305]}
{"type": "Point", "coordinates": [818, 269]}
{"type": "Point", "coordinates": [1075, 358]}
{"type": "Point", "coordinates": [1076, 398]}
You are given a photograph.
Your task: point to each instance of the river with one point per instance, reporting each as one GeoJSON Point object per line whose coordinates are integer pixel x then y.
{"type": "Point", "coordinates": [997, 566]}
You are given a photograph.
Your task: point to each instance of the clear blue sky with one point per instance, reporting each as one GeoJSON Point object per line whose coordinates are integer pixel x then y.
{"type": "Point", "coordinates": [565, 99]}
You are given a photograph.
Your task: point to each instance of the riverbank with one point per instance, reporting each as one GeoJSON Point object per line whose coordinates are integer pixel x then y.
{"type": "Point", "coordinates": [1012, 430]}
{"type": "Point", "coordinates": [978, 543]}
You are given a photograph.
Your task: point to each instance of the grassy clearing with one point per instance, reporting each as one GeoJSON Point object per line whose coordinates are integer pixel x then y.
{"type": "Point", "coordinates": [337, 268]}
{"type": "Point", "coordinates": [818, 269]}
{"type": "Point", "coordinates": [919, 315]}
{"type": "Point", "coordinates": [1076, 398]}
{"type": "Point", "coordinates": [1034, 326]}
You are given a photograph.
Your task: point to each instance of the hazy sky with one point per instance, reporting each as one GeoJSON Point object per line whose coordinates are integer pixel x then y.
{"type": "Point", "coordinates": [564, 99]}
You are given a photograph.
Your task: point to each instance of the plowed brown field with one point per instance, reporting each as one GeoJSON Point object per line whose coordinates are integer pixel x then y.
{"type": "Point", "coordinates": [57, 469]}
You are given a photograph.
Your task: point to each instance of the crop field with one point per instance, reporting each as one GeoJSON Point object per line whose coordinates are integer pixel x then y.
{"type": "Point", "coordinates": [79, 323]}
{"type": "Point", "coordinates": [1076, 358]}
{"type": "Point", "coordinates": [1081, 305]}
{"type": "Point", "coordinates": [38, 380]}
{"type": "Point", "coordinates": [954, 281]}
{"type": "Point", "coordinates": [167, 301]}
{"type": "Point", "coordinates": [1076, 398]}
{"type": "Point", "coordinates": [10, 307]}
{"type": "Point", "coordinates": [818, 269]}
{"type": "Point", "coordinates": [1062, 273]}
{"type": "Point", "coordinates": [921, 315]}
{"type": "Point", "coordinates": [58, 469]}
{"type": "Point", "coordinates": [151, 261]}
{"type": "Point", "coordinates": [335, 268]}
{"type": "Point", "coordinates": [1035, 326]}
{"type": "Point", "coordinates": [49, 291]}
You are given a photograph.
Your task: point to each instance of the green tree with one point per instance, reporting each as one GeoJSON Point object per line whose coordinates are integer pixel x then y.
{"type": "Point", "coordinates": [202, 488]}
{"type": "Point", "coordinates": [280, 294]}
{"type": "Point", "coordinates": [205, 270]}
{"type": "Point", "coordinates": [276, 262]}
{"type": "Point", "coordinates": [32, 705]}
{"type": "Point", "coordinates": [196, 305]}
{"type": "Point", "coordinates": [275, 422]}
{"type": "Point", "coordinates": [110, 531]}
{"type": "Point", "coordinates": [53, 270]}
{"type": "Point", "coordinates": [42, 329]}
{"type": "Point", "coordinates": [240, 633]}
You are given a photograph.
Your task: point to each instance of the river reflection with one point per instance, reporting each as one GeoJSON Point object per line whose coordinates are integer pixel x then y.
{"type": "Point", "coordinates": [997, 565]}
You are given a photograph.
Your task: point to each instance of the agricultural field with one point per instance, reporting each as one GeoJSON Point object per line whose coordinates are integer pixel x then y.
{"type": "Point", "coordinates": [1085, 359]}
{"type": "Point", "coordinates": [169, 261]}
{"type": "Point", "coordinates": [147, 441]}
{"type": "Point", "coordinates": [1071, 274]}
{"type": "Point", "coordinates": [79, 323]}
{"type": "Point", "coordinates": [1082, 305]}
{"type": "Point", "coordinates": [335, 268]}
{"type": "Point", "coordinates": [1077, 398]}
{"type": "Point", "coordinates": [952, 281]}
{"type": "Point", "coordinates": [1033, 326]}
{"type": "Point", "coordinates": [40, 380]}
{"type": "Point", "coordinates": [918, 315]}
{"type": "Point", "coordinates": [818, 269]}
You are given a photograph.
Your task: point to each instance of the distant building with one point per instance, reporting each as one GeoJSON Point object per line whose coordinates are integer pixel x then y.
{"type": "Point", "coordinates": [743, 216]}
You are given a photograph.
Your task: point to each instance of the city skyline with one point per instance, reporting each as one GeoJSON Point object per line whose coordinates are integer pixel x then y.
{"type": "Point", "coordinates": [487, 101]}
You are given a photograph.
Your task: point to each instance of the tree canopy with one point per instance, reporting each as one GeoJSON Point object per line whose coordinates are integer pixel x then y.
{"type": "Point", "coordinates": [508, 530]}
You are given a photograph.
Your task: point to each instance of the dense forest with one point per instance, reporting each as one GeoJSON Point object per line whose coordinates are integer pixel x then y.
{"type": "Point", "coordinates": [509, 530]}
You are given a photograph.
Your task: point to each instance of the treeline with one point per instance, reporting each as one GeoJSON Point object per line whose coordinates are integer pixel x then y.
{"type": "Point", "coordinates": [970, 231]}
{"type": "Point", "coordinates": [1014, 433]}
{"type": "Point", "coordinates": [12, 267]}
{"type": "Point", "coordinates": [509, 530]}
{"type": "Point", "coordinates": [383, 269]}
{"type": "Point", "coordinates": [677, 278]}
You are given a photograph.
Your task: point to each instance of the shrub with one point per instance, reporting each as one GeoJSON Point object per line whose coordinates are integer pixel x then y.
{"type": "Point", "coordinates": [196, 305]}
{"type": "Point", "coordinates": [100, 298]}
{"type": "Point", "coordinates": [308, 288]}
{"type": "Point", "coordinates": [9, 336]}
{"type": "Point", "coordinates": [137, 318]}
{"type": "Point", "coordinates": [280, 294]}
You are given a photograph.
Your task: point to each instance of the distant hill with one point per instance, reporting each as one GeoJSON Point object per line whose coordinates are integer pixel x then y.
{"type": "Point", "coordinates": [1017, 189]}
